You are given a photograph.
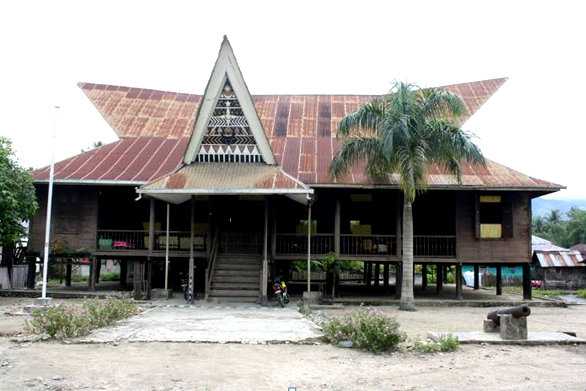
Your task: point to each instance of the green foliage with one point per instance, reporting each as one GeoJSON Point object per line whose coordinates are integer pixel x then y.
{"type": "Point", "coordinates": [562, 230]}
{"type": "Point", "coordinates": [17, 196]}
{"type": "Point", "coordinates": [367, 329]}
{"type": "Point", "coordinates": [403, 133]}
{"type": "Point", "coordinates": [446, 343]}
{"type": "Point", "coordinates": [109, 276]}
{"type": "Point", "coordinates": [581, 293]}
{"type": "Point", "coordinates": [67, 321]}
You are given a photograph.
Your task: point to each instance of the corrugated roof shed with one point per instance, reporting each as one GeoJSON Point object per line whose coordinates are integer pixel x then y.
{"type": "Point", "coordinates": [550, 255]}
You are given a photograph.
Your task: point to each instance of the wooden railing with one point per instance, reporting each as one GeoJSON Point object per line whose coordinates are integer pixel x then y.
{"type": "Point", "coordinates": [355, 245]}
{"type": "Point", "coordinates": [434, 245]}
{"type": "Point", "coordinates": [240, 242]}
{"type": "Point", "coordinates": [211, 262]}
{"type": "Point", "coordinates": [120, 240]}
{"type": "Point", "coordinates": [297, 243]}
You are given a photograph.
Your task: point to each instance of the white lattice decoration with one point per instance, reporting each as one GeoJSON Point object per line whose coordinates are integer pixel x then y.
{"type": "Point", "coordinates": [228, 137]}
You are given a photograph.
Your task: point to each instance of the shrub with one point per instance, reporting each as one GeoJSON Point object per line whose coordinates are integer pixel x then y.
{"type": "Point", "coordinates": [581, 293]}
{"type": "Point", "coordinates": [367, 329]}
{"type": "Point", "coordinates": [110, 276]}
{"type": "Point", "coordinates": [446, 343]}
{"type": "Point", "coordinates": [67, 321]}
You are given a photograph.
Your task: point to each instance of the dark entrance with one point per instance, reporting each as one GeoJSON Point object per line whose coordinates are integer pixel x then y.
{"type": "Point", "coordinates": [240, 222]}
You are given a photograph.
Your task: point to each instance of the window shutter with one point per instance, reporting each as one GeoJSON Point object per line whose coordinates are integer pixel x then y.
{"type": "Point", "coordinates": [477, 215]}
{"type": "Point", "coordinates": [508, 216]}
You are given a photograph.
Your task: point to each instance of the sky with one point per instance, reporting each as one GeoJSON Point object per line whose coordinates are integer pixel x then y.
{"type": "Point", "coordinates": [532, 124]}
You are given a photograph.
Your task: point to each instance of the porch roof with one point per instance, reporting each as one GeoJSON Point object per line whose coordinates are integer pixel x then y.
{"type": "Point", "coordinates": [225, 179]}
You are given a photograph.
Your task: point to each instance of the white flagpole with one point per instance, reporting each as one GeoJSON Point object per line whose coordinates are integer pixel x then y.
{"type": "Point", "coordinates": [49, 206]}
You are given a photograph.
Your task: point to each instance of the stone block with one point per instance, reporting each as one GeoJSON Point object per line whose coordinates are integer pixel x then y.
{"type": "Point", "coordinates": [312, 298]}
{"type": "Point", "coordinates": [512, 328]}
{"type": "Point", "coordinates": [489, 326]}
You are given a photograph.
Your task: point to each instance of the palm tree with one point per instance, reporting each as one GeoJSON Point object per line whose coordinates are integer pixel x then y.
{"type": "Point", "coordinates": [403, 133]}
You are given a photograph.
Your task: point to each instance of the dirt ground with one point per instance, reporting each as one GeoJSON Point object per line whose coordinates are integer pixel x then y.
{"type": "Point", "coordinates": [189, 366]}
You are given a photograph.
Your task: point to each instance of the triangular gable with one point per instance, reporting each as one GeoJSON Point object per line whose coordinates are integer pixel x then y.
{"type": "Point", "coordinates": [227, 127]}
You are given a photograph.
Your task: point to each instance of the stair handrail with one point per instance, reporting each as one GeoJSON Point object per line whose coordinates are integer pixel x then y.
{"type": "Point", "coordinates": [212, 261]}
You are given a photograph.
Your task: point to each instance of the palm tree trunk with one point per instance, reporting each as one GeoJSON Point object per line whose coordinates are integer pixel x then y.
{"type": "Point", "coordinates": [407, 298]}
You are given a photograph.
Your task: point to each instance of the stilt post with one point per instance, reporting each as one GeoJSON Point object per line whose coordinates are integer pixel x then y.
{"type": "Point", "coordinates": [386, 275]}
{"type": "Point", "coordinates": [68, 270]}
{"type": "Point", "coordinates": [92, 276]}
{"type": "Point", "coordinates": [309, 248]}
{"type": "Point", "coordinates": [191, 282]}
{"type": "Point", "coordinates": [337, 229]}
{"type": "Point", "coordinates": [499, 280]}
{"type": "Point", "coordinates": [439, 277]}
{"type": "Point", "coordinates": [423, 276]}
{"type": "Point", "coordinates": [376, 274]}
{"type": "Point", "coordinates": [398, 279]}
{"type": "Point", "coordinates": [527, 294]}
{"type": "Point", "coordinates": [265, 258]}
{"type": "Point", "coordinates": [167, 249]}
{"type": "Point", "coordinates": [476, 276]}
{"type": "Point", "coordinates": [459, 293]}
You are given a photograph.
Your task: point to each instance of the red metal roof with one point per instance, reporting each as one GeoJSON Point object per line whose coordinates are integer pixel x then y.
{"type": "Point", "coordinates": [154, 127]}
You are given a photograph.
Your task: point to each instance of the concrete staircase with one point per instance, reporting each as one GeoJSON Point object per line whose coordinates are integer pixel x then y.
{"type": "Point", "coordinates": [236, 278]}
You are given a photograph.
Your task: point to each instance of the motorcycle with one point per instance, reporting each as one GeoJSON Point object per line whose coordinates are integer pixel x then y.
{"type": "Point", "coordinates": [280, 291]}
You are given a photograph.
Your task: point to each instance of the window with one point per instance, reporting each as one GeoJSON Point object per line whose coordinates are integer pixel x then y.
{"type": "Point", "coordinates": [493, 217]}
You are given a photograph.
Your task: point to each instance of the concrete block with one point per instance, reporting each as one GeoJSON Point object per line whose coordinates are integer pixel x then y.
{"type": "Point", "coordinates": [312, 298]}
{"type": "Point", "coordinates": [512, 328]}
{"type": "Point", "coordinates": [489, 326]}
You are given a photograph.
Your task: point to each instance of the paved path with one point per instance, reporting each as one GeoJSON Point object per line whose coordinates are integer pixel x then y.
{"type": "Point", "coordinates": [211, 323]}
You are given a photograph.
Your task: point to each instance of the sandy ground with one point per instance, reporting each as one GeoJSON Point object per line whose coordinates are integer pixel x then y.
{"type": "Point", "coordinates": [192, 366]}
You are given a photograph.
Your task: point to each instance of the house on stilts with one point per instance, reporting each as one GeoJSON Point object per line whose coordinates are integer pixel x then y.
{"type": "Point", "coordinates": [225, 190]}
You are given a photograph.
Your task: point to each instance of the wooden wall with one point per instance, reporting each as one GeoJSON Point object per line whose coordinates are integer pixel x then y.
{"type": "Point", "coordinates": [510, 250]}
{"type": "Point", "coordinates": [74, 218]}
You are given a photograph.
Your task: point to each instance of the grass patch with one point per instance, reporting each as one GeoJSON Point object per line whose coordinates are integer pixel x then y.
{"type": "Point", "coordinates": [109, 276]}
{"type": "Point", "coordinates": [367, 329]}
{"type": "Point", "coordinates": [67, 321]}
{"type": "Point", "coordinates": [581, 293]}
{"type": "Point", "coordinates": [446, 343]}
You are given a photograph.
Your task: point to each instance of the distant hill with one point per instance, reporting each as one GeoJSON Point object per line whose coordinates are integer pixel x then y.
{"type": "Point", "coordinates": [542, 206]}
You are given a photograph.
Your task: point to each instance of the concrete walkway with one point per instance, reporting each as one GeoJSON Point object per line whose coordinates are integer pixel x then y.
{"type": "Point", "coordinates": [209, 323]}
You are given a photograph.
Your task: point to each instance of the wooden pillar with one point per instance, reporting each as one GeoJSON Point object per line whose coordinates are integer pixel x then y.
{"type": "Point", "coordinates": [445, 270]}
{"type": "Point", "coordinates": [92, 276]}
{"type": "Point", "coordinates": [32, 273]}
{"type": "Point", "coordinates": [309, 248]}
{"type": "Point", "coordinates": [167, 249]}
{"type": "Point", "coordinates": [365, 273]}
{"type": "Point", "coordinates": [151, 226]}
{"type": "Point", "coordinates": [423, 276]}
{"type": "Point", "coordinates": [399, 226]}
{"type": "Point", "coordinates": [398, 279]}
{"type": "Point", "coordinates": [369, 274]}
{"type": "Point", "coordinates": [274, 237]}
{"type": "Point", "coordinates": [386, 275]}
{"type": "Point", "coordinates": [337, 228]}
{"type": "Point", "coordinates": [476, 276]}
{"type": "Point", "coordinates": [527, 294]}
{"type": "Point", "coordinates": [458, 277]}
{"type": "Point", "coordinates": [68, 270]}
{"type": "Point", "coordinates": [376, 274]}
{"type": "Point", "coordinates": [123, 273]}
{"type": "Point", "coordinates": [265, 259]}
{"type": "Point", "coordinates": [499, 280]}
{"type": "Point", "coordinates": [98, 270]}
{"type": "Point", "coordinates": [191, 282]}
{"type": "Point", "coordinates": [439, 277]}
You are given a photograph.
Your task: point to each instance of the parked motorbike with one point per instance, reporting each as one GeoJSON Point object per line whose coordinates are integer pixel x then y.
{"type": "Point", "coordinates": [280, 291]}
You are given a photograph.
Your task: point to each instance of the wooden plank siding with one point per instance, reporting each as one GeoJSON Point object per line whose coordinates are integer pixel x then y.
{"type": "Point", "coordinates": [470, 249]}
{"type": "Point", "coordinates": [74, 219]}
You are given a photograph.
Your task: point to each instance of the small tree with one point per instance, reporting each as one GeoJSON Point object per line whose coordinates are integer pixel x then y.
{"type": "Point", "coordinates": [17, 201]}
{"type": "Point", "coordinates": [403, 133]}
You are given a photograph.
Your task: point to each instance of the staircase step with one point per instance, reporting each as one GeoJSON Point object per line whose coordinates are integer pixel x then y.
{"type": "Point", "coordinates": [235, 279]}
{"type": "Point", "coordinates": [235, 285]}
{"type": "Point", "coordinates": [230, 266]}
{"type": "Point", "coordinates": [233, 293]}
{"type": "Point", "coordinates": [233, 299]}
{"type": "Point", "coordinates": [231, 272]}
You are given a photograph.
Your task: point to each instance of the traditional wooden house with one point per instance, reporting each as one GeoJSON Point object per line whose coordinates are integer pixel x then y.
{"type": "Point", "coordinates": [238, 186]}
